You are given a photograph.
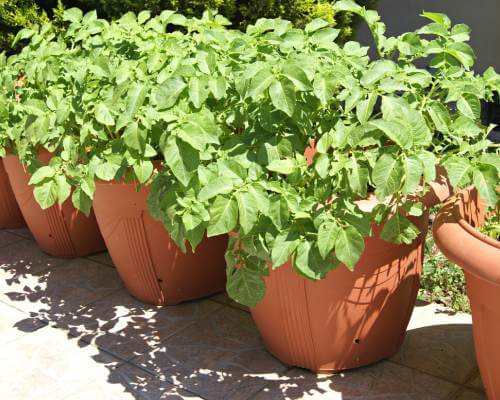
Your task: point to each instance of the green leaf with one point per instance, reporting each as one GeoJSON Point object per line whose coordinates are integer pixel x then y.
{"type": "Point", "coordinates": [245, 286]}
{"type": "Point", "coordinates": [394, 131]}
{"type": "Point", "coordinates": [182, 159]}
{"type": "Point", "coordinates": [309, 263]}
{"type": "Point", "coordinates": [134, 137]}
{"type": "Point", "coordinates": [377, 71]}
{"type": "Point", "coordinates": [106, 170]}
{"type": "Point", "coordinates": [143, 170]}
{"type": "Point", "coordinates": [349, 246]}
{"type": "Point", "coordinates": [323, 87]}
{"type": "Point", "coordinates": [315, 24]}
{"type": "Point", "coordinates": [358, 178]}
{"type": "Point", "coordinates": [73, 15]}
{"type": "Point", "coordinates": [364, 109]}
{"type": "Point", "coordinates": [167, 94]}
{"type": "Point", "coordinates": [198, 92]}
{"type": "Point", "coordinates": [285, 167]}
{"type": "Point", "coordinates": [63, 189]}
{"type": "Point", "coordinates": [260, 82]}
{"type": "Point", "coordinates": [46, 194]}
{"type": "Point", "coordinates": [414, 170]}
{"type": "Point", "coordinates": [458, 169]}
{"type": "Point", "coordinates": [327, 236]}
{"type": "Point", "coordinates": [135, 98]}
{"type": "Point", "coordinates": [296, 75]}
{"type": "Point", "coordinates": [283, 246]}
{"type": "Point", "coordinates": [399, 230]}
{"type": "Point", "coordinates": [469, 105]}
{"type": "Point", "coordinates": [429, 163]}
{"type": "Point", "coordinates": [387, 175]}
{"type": "Point", "coordinates": [103, 115]}
{"type": "Point", "coordinates": [45, 172]}
{"type": "Point", "coordinates": [248, 210]}
{"type": "Point", "coordinates": [325, 36]}
{"type": "Point", "coordinates": [218, 87]}
{"type": "Point", "coordinates": [486, 181]}
{"type": "Point", "coordinates": [462, 52]}
{"type": "Point", "coordinates": [223, 216]}
{"type": "Point", "coordinates": [200, 130]}
{"type": "Point", "coordinates": [220, 185]}
{"type": "Point", "coordinates": [283, 96]}
{"type": "Point", "coordinates": [440, 116]}
{"type": "Point", "coordinates": [439, 18]}
{"type": "Point", "coordinates": [81, 201]}
{"type": "Point", "coordinates": [322, 165]}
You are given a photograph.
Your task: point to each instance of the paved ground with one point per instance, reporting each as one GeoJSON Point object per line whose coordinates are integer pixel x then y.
{"type": "Point", "coordinates": [68, 330]}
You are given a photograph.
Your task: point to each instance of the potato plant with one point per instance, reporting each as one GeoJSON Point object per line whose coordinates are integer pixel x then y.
{"type": "Point", "coordinates": [229, 116]}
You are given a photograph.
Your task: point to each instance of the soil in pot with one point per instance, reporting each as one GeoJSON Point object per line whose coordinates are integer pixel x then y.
{"type": "Point", "coordinates": [349, 319]}
{"type": "Point", "coordinates": [61, 231]}
{"type": "Point", "coordinates": [151, 265]}
{"type": "Point", "coordinates": [10, 214]}
{"type": "Point", "coordinates": [456, 235]}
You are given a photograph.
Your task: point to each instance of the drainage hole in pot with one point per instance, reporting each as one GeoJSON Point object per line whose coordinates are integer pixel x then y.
{"type": "Point", "coordinates": [357, 341]}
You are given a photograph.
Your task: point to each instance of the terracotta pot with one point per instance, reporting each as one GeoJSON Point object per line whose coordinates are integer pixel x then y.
{"type": "Point", "coordinates": [151, 265]}
{"type": "Point", "coordinates": [61, 231]}
{"type": "Point", "coordinates": [10, 214]}
{"type": "Point", "coordinates": [479, 255]}
{"type": "Point", "coordinates": [349, 319]}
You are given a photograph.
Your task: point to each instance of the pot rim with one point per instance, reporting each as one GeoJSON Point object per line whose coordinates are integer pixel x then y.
{"type": "Point", "coordinates": [458, 215]}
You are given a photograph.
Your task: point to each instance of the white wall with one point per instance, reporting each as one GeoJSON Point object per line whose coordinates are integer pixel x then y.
{"type": "Point", "coordinates": [483, 16]}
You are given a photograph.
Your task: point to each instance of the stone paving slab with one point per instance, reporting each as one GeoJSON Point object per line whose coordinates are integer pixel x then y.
{"type": "Point", "coordinates": [103, 344]}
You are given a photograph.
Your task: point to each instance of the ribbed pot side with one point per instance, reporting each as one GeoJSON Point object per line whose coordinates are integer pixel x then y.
{"type": "Point", "coordinates": [456, 235]}
{"type": "Point", "coordinates": [150, 264]}
{"type": "Point", "coordinates": [61, 230]}
{"type": "Point", "coordinates": [349, 319]}
{"type": "Point", "coordinates": [10, 214]}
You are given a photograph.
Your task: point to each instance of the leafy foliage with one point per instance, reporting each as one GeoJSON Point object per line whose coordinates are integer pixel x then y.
{"type": "Point", "coordinates": [219, 121]}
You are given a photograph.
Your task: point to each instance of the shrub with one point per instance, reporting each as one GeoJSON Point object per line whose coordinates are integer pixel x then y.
{"type": "Point", "coordinates": [240, 12]}
{"type": "Point", "coordinates": [15, 15]}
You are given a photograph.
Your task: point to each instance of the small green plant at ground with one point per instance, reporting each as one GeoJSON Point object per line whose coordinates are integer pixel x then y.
{"type": "Point", "coordinates": [442, 281]}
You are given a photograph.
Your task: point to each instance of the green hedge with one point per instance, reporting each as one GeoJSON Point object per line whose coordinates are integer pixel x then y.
{"type": "Point", "coordinates": [17, 14]}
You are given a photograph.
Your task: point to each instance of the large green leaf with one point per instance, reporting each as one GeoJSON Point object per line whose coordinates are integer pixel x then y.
{"type": "Point", "coordinates": [103, 115]}
{"type": "Point", "coordinates": [395, 131]}
{"type": "Point", "coordinates": [182, 159]}
{"type": "Point", "coordinates": [327, 236]}
{"type": "Point", "coordinates": [387, 175]}
{"type": "Point", "coordinates": [246, 286]}
{"type": "Point", "coordinates": [223, 216]}
{"type": "Point", "coordinates": [283, 246]}
{"type": "Point", "coordinates": [399, 230]}
{"type": "Point", "coordinates": [283, 96]}
{"type": "Point", "coordinates": [349, 246]}
{"type": "Point", "coordinates": [167, 94]}
{"type": "Point", "coordinates": [486, 181]}
{"type": "Point", "coordinates": [248, 210]}
{"type": "Point", "coordinates": [220, 185]}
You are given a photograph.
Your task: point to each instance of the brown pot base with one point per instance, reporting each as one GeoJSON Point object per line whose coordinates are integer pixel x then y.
{"type": "Point", "coordinates": [61, 231]}
{"type": "Point", "coordinates": [150, 264]}
{"type": "Point", "coordinates": [349, 319]}
{"type": "Point", "coordinates": [456, 235]}
{"type": "Point", "coordinates": [10, 214]}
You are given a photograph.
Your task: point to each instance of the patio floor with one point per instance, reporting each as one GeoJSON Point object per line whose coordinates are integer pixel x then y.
{"type": "Point", "coordinates": [69, 330]}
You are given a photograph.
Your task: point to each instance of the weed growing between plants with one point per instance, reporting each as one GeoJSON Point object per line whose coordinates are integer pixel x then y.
{"type": "Point", "coordinates": [442, 281]}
